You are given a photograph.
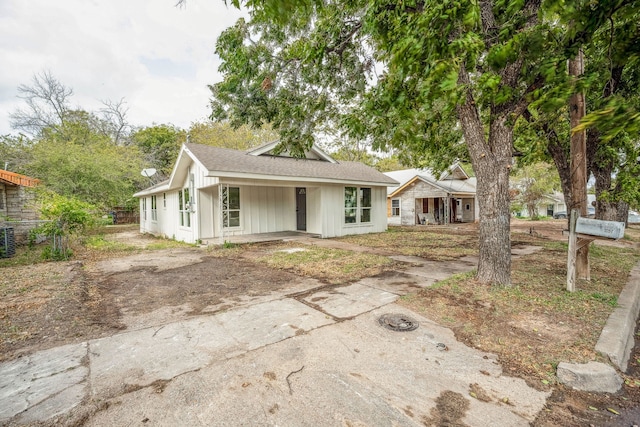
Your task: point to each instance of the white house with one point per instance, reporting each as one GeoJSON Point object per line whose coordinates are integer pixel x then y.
{"type": "Point", "coordinates": [422, 198]}
{"type": "Point", "coordinates": [215, 193]}
{"type": "Point", "coordinates": [548, 205]}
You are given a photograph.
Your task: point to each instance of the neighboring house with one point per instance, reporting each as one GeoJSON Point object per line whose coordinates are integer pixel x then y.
{"type": "Point", "coordinates": [547, 206]}
{"type": "Point", "coordinates": [16, 204]}
{"type": "Point", "coordinates": [422, 198]}
{"type": "Point", "coordinates": [215, 193]}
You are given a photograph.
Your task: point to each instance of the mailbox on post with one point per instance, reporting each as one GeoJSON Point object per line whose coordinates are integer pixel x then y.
{"type": "Point", "coordinates": [599, 229]}
{"type": "Point", "coordinates": [583, 231]}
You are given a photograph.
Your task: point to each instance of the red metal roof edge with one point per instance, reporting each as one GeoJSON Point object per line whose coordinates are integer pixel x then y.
{"type": "Point", "coordinates": [17, 179]}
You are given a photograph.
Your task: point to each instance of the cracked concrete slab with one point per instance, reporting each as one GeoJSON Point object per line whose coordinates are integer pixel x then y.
{"type": "Point", "coordinates": [43, 384]}
{"type": "Point", "coordinates": [349, 301]}
{"type": "Point", "coordinates": [398, 283]}
{"type": "Point", "coordinates": [138, 358]}
{"type": "Point", "coordinates": [433, 271]}
{"type": "Point", "coordinates": [350, 373]}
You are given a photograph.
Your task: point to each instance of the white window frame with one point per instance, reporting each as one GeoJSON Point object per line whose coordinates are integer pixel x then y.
{"type": "Point", "coordinates": [228, 211]}
{"type": "Point", "coordinates": [357, 207]}
{"type": "Point", "coordinates": [184, 208]}
{"type": "Point", "coordinates": [395, 209]}
{"type": "Point", "coordinates": [144, 209]}
{"type": "Point", "coordinates": [154, 208]}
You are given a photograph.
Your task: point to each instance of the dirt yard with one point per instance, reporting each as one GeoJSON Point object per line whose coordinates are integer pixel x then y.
{"type": "Point", "coordinates": [49, 304]}
{"type": "Point", "coordinates": [64, 302]}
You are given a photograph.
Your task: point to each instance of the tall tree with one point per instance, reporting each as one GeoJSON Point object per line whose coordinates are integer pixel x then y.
{"type": "Point", "coordinates": [160, 145]}
{"type": "Point", "coordinates": [15, 152]}
{"type": "Point", "coordinates": [607, 32]}
{"type": "Point", "coordinates": [449, 69]}
{"type": "Point", "coordinates": [222, 134]}
{"type": "Point", "coordinates": [47, 104]}
{"type": "Point", "coordinates": [76, 161]}
{"type": "Point", "coordinates": [531, 183]}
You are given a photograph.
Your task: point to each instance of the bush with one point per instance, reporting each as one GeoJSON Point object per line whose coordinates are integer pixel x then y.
{"type": "Point", "coordinates": [67, 217]}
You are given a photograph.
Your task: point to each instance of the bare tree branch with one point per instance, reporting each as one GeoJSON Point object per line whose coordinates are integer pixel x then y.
{"type": "Point", "coordinates": [47, 104]}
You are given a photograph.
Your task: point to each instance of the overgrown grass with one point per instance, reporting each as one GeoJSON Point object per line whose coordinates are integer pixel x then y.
{"type": "Point", "coordinates": [334, 266]}
{"type": "Point", "coordinates": [98, 242]}
{"type": "Point", "coordinates": [435, 243]}
{"type": "Point", "coordinates": [534, 324]}
{"type": "Point", "coordinates": [24, 255]}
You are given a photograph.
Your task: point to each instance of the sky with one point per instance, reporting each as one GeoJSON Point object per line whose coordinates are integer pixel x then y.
{"type": "Point", "coordinates": [158, 57]}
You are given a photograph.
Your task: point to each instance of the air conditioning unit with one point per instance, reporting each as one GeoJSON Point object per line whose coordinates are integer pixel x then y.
{"type": "Point", "coordinates": [7, 242]}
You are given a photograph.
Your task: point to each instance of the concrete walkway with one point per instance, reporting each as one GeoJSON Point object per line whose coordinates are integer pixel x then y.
{"type": "Point", "coordinates": [319, 357]}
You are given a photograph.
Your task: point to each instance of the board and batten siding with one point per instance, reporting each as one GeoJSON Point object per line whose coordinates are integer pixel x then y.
{"type": "Point", "coordinates": [332, 208]}
{"type": "Point", "coordinates": [264, 210]}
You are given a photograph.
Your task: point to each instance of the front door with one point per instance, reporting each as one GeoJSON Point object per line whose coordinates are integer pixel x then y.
{"type": "Point", "coordinates": [301, 209]}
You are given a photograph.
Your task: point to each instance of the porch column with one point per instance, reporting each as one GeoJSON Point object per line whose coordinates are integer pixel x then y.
{"type": "Point", "coordinates": [221, 215]}
{"type": "Point", "coordinates": [447, 209]}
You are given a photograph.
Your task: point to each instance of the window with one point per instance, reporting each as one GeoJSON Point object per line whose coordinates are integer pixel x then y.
{"type": "Point", "coordinates": [230, 206]}
{"type": "Point", "coordinates": [144, 208]}
{"type": "Point", "coordinates": [425, 205]}
{"type": "Point", "coordinates": [357, 205]}
{"type": "Point", "coordinates": [184, 206]}
{"type": "Point", "coordinates": [154, 208]}
{"type": "Point", "coordinates": [395, 207]}
{"type": "Point", "coordinates": [164, 200]}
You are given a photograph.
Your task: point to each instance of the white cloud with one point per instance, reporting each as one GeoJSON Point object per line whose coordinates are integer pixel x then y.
{"type": "Point", "coordinates": [157, 56]}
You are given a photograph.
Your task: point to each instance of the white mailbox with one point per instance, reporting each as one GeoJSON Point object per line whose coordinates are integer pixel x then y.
{"type": "Point", "coordinates": [598, 228]}
{"type": "Point", "coordinates": [583, 231]}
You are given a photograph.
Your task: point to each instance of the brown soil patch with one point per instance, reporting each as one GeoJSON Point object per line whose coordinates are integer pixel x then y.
{"type": "Point", "coordinates": [450, 409]}
{"type": "Point", "coordinates": [50, 304]}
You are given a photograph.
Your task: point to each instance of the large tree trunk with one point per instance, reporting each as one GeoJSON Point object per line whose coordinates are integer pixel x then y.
{"type": "Point", "coordinates": [492, 172]}
{"type": "Point", "coordinates": [491, 161]}
{"type": "Point", "coordinates": [577, 110]}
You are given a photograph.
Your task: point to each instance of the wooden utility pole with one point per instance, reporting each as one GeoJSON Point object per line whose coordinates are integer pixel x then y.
{"type": "Point", "coordinates": [577, 110]}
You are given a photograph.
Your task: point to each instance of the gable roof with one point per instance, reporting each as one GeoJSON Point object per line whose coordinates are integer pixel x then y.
{"type": "Point", "coordinates": [228, 163]}
{"type": "Point", "coordinates": [224, 162]}
{"type": "Point", "coordinates": [455, 180]}
{"type": "Point", "coordinates": [13, 178]}
{"type": "Point", "coordinates": [314, 152]}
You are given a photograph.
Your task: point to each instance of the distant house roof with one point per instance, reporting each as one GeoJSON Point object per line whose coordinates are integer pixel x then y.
{"type": "Point", "coordinates": [455, 180]}
{"type": "Point", "coordinates": [261, 164]}
{"type": "Point", "coordinates": [13, 178]}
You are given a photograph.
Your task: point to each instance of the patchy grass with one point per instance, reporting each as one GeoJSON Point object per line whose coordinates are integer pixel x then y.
{"type": "Point", "coordinates": [98, 242]}
{"type": "Point", "coordinates": [534, 324]}
{"type": "Point", "coordinates": [434, 243]}
{"type": "Point", "coordinates": [334, 266]}
{"type": "Point", "coordinates": [160, 244]}
{"type": "Point", "coordinates": [24, 255]}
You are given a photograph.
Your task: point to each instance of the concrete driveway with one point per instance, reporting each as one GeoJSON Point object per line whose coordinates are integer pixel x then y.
{"type": "Point", "coordinates": [318, 356]}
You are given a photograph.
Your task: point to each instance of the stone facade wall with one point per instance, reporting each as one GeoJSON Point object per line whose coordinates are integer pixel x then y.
{"type": "Point", "coordinates": [17, 211]}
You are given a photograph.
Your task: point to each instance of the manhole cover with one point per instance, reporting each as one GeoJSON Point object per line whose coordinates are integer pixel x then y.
{"type": "Point", "coordinates": [398, 322]}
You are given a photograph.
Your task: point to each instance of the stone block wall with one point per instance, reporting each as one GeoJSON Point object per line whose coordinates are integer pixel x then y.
{"type": "Point", "coordinates": [17, 210]}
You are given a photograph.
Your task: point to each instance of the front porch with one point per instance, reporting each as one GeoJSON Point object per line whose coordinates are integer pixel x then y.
{"type": "Point", "coordinates": [261, 237]}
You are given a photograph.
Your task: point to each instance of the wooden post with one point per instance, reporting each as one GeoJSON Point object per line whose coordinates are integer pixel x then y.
{"type": "Point", "coordinates": [571, 258]}
{"type": "Point", "coordinates": [578, 154]}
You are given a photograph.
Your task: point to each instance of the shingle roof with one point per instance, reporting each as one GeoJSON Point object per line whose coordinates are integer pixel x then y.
{"type": "Point", "coordinates": [448, 184]}
{"type": "Point", "coordinates": [232, 161]}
